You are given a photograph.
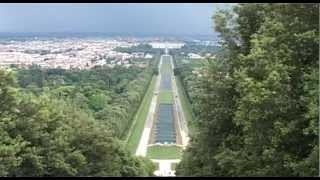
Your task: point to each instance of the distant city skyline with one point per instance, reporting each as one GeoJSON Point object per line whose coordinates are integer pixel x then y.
{"type": "Point", "coordinates": [123, 19]}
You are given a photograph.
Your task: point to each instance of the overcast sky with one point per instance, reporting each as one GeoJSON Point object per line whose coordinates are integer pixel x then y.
{"type": "Point", "coordinates": [110, 18]}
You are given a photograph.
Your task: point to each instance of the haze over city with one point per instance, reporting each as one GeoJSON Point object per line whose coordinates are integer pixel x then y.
{"type": "Point", "coordinates": [133, 19]}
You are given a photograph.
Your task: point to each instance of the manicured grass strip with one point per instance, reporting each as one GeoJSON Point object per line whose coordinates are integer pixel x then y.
{"type": "Point", "coordinates": [140, 118]}
{"type": "Point", "coordinates": [165, 97]}
{"type": "Point", "coordinates": [164, 152]}
{"type": "Point", "coordinates": [166, 66]}
{"type": "Point", "coordinates": [187, 109]}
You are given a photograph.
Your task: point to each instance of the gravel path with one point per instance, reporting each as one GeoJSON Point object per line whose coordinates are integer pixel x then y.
{"type": "Point", "coordinates": [165, 167]}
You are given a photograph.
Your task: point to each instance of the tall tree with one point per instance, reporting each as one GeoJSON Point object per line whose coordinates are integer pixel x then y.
{"type": "Point", "coordinates": [257, 110]}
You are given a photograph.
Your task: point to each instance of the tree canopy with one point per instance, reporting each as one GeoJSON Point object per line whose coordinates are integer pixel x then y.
{"type": "Point", "coordinates": [257, 102]}
{"type": "Point", "coordinates": [70, 123]}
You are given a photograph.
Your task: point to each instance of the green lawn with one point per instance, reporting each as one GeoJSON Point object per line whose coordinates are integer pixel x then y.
{"type": "Point", "coordinates": [166, 66]}
{"type": "Point", "coordinates": [187, 109]}
{"type": "Point", "coordinates": [140, 118]}
{"type": "Point", "coordinates": [165, 97]}
{"type": "Point", "coordinates": [194, 63]}
{"type": "Point", "coordinates": [164, 152]}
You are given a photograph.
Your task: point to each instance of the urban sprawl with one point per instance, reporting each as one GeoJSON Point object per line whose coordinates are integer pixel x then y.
{"type": "Point", "coordinates": [74, 53]}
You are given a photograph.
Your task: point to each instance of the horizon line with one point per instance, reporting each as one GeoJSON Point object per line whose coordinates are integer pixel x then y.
{"type": "Point", "coordinates": [122, 33]}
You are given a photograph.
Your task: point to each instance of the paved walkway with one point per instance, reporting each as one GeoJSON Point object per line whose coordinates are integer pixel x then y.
{"type": "Point", "coordinates": [165, 167]}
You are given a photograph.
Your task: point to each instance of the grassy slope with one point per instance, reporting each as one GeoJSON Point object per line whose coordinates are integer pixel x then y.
{"type": "Point", "coordinates": [186, 106]}
{"type": "Point", "coordinates": [164, 152]}
{"type": "Point", "coordinates": [140, 118]}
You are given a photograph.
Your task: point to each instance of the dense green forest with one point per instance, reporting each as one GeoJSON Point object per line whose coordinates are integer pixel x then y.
{"type": "Point", "coordinates": [146, 48]}
{"type": "Point", "coordinates": [55, 122]}
{"type": "Point", "coordinates": [256, 104]}
{"type": "Point", "coordinates": [190, 47]}
{"type": "Point", "coordinates": [110, 95]}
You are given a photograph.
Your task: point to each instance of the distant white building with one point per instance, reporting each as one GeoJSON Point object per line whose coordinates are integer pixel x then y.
{"type": "Point", "coordinates": [148, 56]}
{"type": "Point", "coordinates": [194, 56]}
{"type": "Point", "coordinates": [138, 54]}
{"type": "Point", "coordinates": [162, 45]}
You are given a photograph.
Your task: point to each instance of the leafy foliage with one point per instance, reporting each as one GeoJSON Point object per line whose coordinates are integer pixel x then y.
{"type": "Point", "coordinates": [111, 95]}
{"type": "Point", "coordinates": [257, 103]}
{"type": "Point", "coordinates": [62, 124]}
